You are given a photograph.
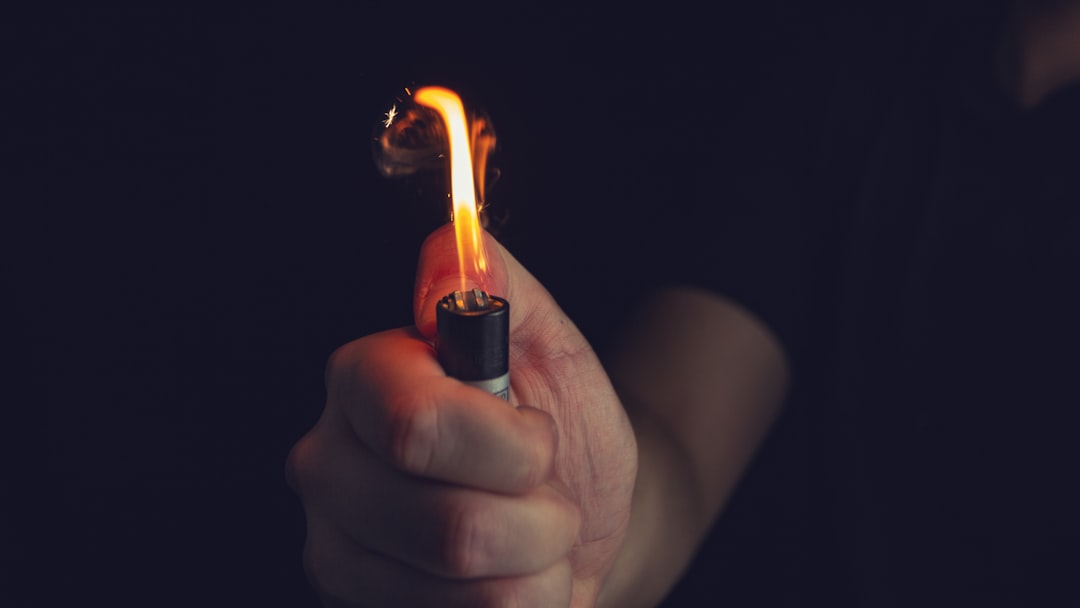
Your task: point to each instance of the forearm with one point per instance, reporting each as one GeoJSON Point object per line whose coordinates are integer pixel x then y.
{"type": "Point", "coordinates": [667, 522]}
{"type": "Point", "coordinates": [702, 380]}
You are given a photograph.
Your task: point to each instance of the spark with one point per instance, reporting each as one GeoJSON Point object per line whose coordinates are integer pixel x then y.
{"type": "Point", "coordinates": [390, 116]}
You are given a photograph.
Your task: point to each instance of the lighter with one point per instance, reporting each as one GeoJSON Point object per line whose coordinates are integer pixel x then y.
{"type": "Point", "coordinates": [473, 344]}
{"type": "Point", "coordinates": [473, 328]}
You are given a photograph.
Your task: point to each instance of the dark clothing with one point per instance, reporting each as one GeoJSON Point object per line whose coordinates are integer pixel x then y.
{"type": "Point", "coordinates": [913, 237]}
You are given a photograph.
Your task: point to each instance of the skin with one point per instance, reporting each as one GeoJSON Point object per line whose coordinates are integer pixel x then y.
{"type": "Point", "coordinates": [1040, 50]}
{"type": "Point", "coordinates": [419, 490]}
{"type": "Point", "coordinates": [417, 487]}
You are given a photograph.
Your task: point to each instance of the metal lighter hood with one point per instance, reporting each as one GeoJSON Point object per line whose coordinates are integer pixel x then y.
{"type": "Point", "coordinates": [474, 339]}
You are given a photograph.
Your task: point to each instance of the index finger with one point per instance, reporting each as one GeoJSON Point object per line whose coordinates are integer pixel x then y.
{"type": "Point", "coordinates": [398, 401]}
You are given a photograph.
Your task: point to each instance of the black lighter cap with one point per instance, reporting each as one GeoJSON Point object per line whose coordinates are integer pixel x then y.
{"type": "Point", "coordinates": [473, 341]}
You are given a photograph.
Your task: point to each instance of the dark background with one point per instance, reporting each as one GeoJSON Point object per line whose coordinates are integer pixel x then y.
{"type": "Point", "coordinates": [194, 223]}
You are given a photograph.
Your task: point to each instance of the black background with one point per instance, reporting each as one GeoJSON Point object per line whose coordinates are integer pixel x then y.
{"type": "Point", "coordinates": [195, 223]}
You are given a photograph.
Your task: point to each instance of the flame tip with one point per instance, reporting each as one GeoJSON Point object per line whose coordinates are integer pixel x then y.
{"type": "Point", "coordinates": [465, 210]}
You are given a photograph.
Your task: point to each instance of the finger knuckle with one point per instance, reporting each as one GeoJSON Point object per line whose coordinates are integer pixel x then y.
{"type": "Point", "coordinates": [299, 465]}
{"type": "Point", "coordinates": [502, 596]}
{"type": "Point", "coordinates": [337, 362]}
{"type": "Point", "coordinates": [537, 466]}
{"type": "Point", "coordinates": [340, 578]}
{"type": "Point", "coordinates": [309, 467]}
{"type": "Point", "coordinates": [413, 433]}
{"type": "Point", "coordinates": [549, 588]}
{"type": "Point", "coordinates": [463, 541]}
{"type": "Point", "coordinates": [316, 562]}
{"type": "Point", "coordinates": [506, 595]}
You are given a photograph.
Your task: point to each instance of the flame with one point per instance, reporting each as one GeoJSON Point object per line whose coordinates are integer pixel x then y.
{"type": "Point", "coordinates": [483, 142]}
{"type": "Point", "coordinates": [466, 218]}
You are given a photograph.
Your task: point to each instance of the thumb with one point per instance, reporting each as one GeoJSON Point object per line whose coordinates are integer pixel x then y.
{"type": "Point", "coordinates": [536, 321]}
{"type": "Point", "coordinates": [438, 274]}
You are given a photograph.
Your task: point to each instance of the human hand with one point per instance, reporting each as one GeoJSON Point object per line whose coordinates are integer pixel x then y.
{"type": "Point", "coordinates": [422, 491]}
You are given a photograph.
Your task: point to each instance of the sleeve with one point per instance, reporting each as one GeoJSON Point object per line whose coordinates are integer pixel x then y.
{"type": "Point", "coordinates": [771, 206]}
{"type": "Point", "coordinates": [749, 231]}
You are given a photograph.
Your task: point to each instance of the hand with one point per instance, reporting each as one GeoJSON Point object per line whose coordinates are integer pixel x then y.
{"type": "Point", "coordinates": [422, 491]}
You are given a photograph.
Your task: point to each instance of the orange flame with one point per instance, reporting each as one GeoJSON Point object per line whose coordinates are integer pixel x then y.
{"type": "Point", "coordinates": [466, 218]}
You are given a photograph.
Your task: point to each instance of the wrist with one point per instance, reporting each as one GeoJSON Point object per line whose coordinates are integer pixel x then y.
{"type": "Point", "coordinates": [667, 523]}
